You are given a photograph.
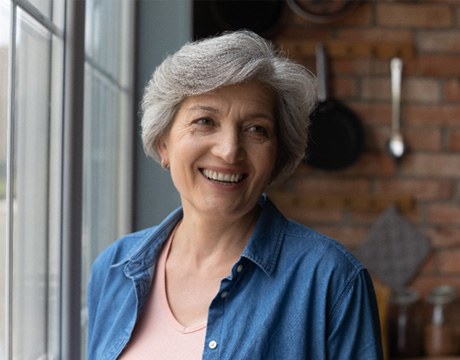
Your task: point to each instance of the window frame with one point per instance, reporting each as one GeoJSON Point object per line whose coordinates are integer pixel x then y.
{"type": "Point", "coordinates": [69, 182]}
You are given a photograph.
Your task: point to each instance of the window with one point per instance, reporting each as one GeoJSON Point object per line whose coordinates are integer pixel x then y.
{"type": "Point", "coordinates": [33, 161]}
{"type": "Point", "coordinates": [108, 130]}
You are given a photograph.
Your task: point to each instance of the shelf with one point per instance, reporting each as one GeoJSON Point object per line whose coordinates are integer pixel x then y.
{"type": "Point", "coordinates": [349, 49]}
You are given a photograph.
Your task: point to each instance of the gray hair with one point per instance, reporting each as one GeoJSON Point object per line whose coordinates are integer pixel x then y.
{"type": "Point", "coordinates": [232, 58]}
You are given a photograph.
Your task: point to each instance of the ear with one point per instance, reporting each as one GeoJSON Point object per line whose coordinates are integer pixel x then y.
{"type": "Point", "coordinates": [162, 148]}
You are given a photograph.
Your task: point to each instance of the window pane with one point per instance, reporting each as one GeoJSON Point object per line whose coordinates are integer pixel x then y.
{"type": "Point", "coordinates": [105, 43]}
{"type": "Point", "coordinates": [4, 79]}
{"type": "Point", "coordinates": [107, 128]}
{"type": "Point", "coordinates": [44, 6]}
{"type": "Point", "coordinates": [108, 124]}
{"type": "Point", "coordinates": [36, 248]}
{"type": "Point", "coordinates": [52, 10]}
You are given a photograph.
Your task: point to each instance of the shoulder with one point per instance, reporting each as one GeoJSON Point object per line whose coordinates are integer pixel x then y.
{"type": "Point", "coordinates": [143, 243]}
{"type": "Point", "coordinates": [291, 245]}
{"type": "Point", "coordinates": [124, 248]}
{"type": "Point", "coordinates": [310, 243]}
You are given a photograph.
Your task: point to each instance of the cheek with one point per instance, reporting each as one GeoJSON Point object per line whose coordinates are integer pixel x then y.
{"type": "Point", "coordinates": [266, 160]}
{"type": "Point", "coordinates": [185, 152]}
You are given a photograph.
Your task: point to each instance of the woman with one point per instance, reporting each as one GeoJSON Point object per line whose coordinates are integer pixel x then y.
{"type": "Point", "coordinates": [226, 276]}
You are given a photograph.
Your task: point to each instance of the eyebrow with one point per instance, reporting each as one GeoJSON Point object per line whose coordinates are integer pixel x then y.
{"type": "Point", "coordinates": [216, 111]}
{"type": "Point", "coordinates": [203, 107]}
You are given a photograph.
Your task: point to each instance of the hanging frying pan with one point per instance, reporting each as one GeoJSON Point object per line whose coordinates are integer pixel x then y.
{"type": "Point", "coordinates": [323, 11]}
{"type": "Point", "coordinates": [336, 136]}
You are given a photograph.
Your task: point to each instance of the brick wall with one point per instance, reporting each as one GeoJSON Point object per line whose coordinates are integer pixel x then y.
{"type": "Point", "coordinates": [430, 173]}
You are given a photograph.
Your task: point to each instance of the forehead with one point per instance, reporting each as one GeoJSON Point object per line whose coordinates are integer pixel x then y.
{"type": "Point", "coordinates": [250, 95]}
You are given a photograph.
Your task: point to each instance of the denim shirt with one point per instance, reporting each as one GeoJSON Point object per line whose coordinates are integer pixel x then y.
{"type": "Point", "coordinates": [293, 294]}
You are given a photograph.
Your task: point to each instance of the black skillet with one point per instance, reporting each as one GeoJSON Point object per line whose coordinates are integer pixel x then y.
{"type": "Point", "coordinates": [336, 136]}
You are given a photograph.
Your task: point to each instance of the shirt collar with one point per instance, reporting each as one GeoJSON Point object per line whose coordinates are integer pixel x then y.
{"type": "Point", "coordinates": [263, 246]}
{"type": "Point", "coordinates": [149, 245]}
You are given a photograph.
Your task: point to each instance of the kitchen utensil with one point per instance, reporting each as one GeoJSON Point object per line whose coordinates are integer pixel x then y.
{"type": "Point", "coordinates": [394, 249]}
{"type": "Point", "coordinates": [336, 136]}
{"type": "Point", "coordinates": [396, 146]}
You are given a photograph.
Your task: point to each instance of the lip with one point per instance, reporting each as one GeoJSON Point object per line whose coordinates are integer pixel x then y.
{"type": "Point", "coordinates": [224, 177]}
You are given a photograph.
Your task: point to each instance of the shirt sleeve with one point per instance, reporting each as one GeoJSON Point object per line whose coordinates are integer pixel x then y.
{"type": "Point", "coordinates": [354, 327]}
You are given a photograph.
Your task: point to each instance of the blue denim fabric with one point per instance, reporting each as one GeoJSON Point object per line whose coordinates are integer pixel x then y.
{"type": "Point", "coordinates": [294, 294]}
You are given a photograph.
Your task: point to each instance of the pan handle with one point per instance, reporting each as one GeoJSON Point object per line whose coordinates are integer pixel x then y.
{"type": "Point", "coordinates": [321, 71]}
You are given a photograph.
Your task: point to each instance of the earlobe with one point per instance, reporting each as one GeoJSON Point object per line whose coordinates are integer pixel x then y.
{"type": "Point", "coordinates": [164, 164]}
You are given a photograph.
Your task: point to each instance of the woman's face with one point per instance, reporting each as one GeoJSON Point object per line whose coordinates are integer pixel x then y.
{"type": "Point", "coordinates": [222, 149]}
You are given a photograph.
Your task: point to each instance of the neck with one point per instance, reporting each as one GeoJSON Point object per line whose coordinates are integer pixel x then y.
{"type": "Point", "coordinates": [202, 240]}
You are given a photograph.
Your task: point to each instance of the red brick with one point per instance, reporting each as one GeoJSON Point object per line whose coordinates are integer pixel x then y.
{"type": "Point", "coordinates": [444, 236]}
{"type": "Point", "coordinates": [372, 113]}
{"type": "Point", "coordinates": [372, 164]}
{"type": "Point", "coordinates": [454, 140]}
{"type": "Point", "coordinates": [430, 172]}
{"type": "Point", "coordinates": [343, 88]}
{"type": "Point", "coordinates": [360, 66]}
{"type": "Point", "coordinates": [429, 266]}
{"type": "Point", "coordinates": [433, 115]}
{"type": "Point", "coordinates": [350, 236]}
{"type": "Point", "coordinates": [449, 261]}
{"type": "Point", "coordinates": [443, 165]}
{"type": "Point", "coordinates": [413, 90]}
{"type": "Point", "coordinates": [452, 90]}
{"type": "Point", "coordinates": [439, 41]}
{"type": "Point", "coordinates": [421, 90]}
{"type": "Point", "coordinates": [443, 214]}
{"type": "Point", "coordinates": [377, 138]}
{"type": "Point", "coordinates": [311, 216]}
{"type": "Point", "coordinates": [412, 15]}
{"type": "Point", "coordinates": [375, 35]}
{"type": "Point", "coordinates": [420, 139]}
{"type": "Point", "coordinates": [416, 139]}
{"type": "Point", "coordinates": [418, 189]}
{"type": "Point", "coordinates": [433, 65]}
{"type": "Point", "coordinates": [332, 185]}
{"type": "Point", "coordinates": [376, 89]}
{"type": "Point", "coordinates": [364, 217]}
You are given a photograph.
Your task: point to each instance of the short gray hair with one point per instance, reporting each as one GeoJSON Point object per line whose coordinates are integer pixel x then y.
{"type": "Point", "coordinates": [232, 58]}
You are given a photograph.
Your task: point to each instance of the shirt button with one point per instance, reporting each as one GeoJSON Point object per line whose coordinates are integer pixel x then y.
{"type": "Point", "coordinates": [212, 344]}
{"type": "Point", "coordinates": [239, 268]}
{"type": "Point", "coordinates": [224, 294]}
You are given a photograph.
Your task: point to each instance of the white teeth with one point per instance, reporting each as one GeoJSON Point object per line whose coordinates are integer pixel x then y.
{"type": "Point", "coordinates": [214, 175]}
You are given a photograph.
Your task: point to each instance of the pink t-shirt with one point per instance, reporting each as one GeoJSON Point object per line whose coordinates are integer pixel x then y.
{"type": "Point", "coordinates": [158, 334]}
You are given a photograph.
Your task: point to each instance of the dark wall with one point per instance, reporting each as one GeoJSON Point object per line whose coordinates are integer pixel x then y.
{"type": "Point", "coordinates": [211, 17]}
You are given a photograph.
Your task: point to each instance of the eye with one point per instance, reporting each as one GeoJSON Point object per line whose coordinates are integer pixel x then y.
{"type": "Point", "coordinates": [258, 130]}
{"type": "Point", "coordinates": [204, 122]}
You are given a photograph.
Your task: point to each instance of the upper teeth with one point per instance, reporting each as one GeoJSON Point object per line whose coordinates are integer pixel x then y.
{"type": "Point", "coordinates": [214, 175]}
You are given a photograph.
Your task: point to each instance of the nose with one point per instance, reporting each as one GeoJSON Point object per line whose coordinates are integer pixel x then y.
{"type": "Point", "coordinates": [228, 146]}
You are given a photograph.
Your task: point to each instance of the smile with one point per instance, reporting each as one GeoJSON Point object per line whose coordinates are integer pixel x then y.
{"type": "Point", "coordinates": [221, 177]}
